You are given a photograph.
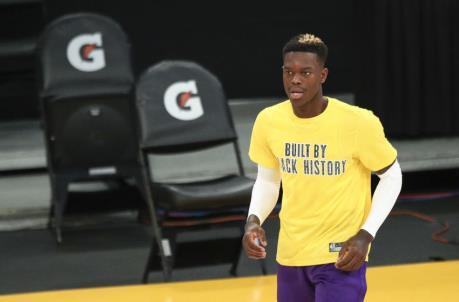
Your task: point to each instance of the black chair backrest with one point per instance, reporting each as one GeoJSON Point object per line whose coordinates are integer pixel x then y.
{"type": "Point", "coordinates": [84, 53]}
{"type": "Point", "coordinates": [86, 92]}
{"type": "Point", "coordinates": [182, 107]}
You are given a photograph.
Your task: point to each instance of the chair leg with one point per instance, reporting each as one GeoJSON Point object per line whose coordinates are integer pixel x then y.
{"type": "Point", "coordinates": [237, 256]}
{"type": "Point", "coordinates": [162, 244]}
{"type": "Point", "coordinates": [233, 269]}
{"type": "Point", "coordinates": [50, 224]}
{"type": "Point", "coordinates": [59, 201]}
{"type": "Point", "coordinates": [263, 266]}
{"type": "Point", "coordinates": [165, 256]}
{"type": "Point", "coordinates": [149, 262]}
{"type": "Point", "coordinates": [170, 248]}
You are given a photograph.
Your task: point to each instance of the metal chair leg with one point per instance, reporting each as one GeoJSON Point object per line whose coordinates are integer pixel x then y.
{"type": "Point", "coordinates": [157, 233]}
{"type": "Point", "coordinates": [263, 267]}
{"type": "Point", "coordinates": [237, 256]}
{"type": "Point", "coordinates": [59, 202]}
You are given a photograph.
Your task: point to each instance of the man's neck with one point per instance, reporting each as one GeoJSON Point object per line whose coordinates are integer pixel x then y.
{"type": "Point", "coordinates": [313, 108]}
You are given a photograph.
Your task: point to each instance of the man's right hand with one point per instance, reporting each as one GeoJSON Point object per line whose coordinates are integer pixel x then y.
{"type": "Point", "coordinates": [254, 240]}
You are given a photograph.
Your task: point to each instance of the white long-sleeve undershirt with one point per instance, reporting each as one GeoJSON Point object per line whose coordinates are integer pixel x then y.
{"type": "Point", "coordinates": [265, 192]}
{"type": "Point", "coordinates": [384, 198]}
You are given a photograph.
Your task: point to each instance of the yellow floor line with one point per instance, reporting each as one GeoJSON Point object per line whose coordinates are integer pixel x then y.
{"type": "Point", "coordinates": [438, 281]}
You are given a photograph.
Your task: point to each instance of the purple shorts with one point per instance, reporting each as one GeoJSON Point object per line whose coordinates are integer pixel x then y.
{"type": "Point", "coordinates": [320, 283]}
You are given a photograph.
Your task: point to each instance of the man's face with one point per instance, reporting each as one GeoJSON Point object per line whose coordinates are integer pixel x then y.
{"type": "Point", "coordinates": [303, 75]}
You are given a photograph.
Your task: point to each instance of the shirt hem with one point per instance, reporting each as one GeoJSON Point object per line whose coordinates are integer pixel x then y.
{"type": "Point", "coordinates": [310, 263]}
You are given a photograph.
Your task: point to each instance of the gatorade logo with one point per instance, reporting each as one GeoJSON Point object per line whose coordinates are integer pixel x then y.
{"type": "Point", "coordinates": [182, 101]}
{"type": "Point", "coordinates": [85, 52]}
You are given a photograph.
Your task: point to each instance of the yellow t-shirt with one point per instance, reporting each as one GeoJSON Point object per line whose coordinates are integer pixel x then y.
{"type": "Point", "coordinates": [325, 163]}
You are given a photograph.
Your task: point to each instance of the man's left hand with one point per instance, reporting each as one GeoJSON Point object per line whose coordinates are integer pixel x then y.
{"type": "Point", "coordinates": [354, 251]}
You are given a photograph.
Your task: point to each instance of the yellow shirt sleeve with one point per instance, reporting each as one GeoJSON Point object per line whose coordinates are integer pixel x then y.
{"type": "Point", "coordinates": [259, 150]}
{"type": "Point", "coordinates": [375, 152]}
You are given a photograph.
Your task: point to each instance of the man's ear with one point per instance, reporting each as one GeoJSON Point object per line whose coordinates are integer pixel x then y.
{"type": "Point", "coordinates": [324, 75]}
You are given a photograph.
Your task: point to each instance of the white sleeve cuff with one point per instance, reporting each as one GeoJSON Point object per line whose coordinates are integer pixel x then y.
{"type": "Point", "coordinates": [384, 198]}
{"type": "Point", "coordinates": [265, 192]}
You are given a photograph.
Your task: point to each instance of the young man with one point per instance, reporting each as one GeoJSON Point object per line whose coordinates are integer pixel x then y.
{"type": "Point", "coordinates": [324, 151]}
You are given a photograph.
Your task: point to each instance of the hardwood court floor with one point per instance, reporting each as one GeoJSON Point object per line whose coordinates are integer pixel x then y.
{"type": "Point", "coordinates": [434, 281]}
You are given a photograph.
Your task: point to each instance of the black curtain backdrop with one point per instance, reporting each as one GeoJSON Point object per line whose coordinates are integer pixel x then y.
{"type": "Point", "coordinates": [407, 62]}
{"type": "Point", "coordinates": [240, 43]}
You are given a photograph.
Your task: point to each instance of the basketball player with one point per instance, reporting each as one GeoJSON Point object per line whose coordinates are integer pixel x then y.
{"type": "Point", "coordinates": [324, 151]}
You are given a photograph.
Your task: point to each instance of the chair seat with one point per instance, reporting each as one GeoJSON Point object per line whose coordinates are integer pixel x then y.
{"type": "Point", "coordinates": [228, 191]}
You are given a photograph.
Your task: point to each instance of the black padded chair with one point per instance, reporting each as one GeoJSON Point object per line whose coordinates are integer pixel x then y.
{"type": "Point", "coordinates": [182, 108]}
{"type": "Point", "coordinates": [87, 104]}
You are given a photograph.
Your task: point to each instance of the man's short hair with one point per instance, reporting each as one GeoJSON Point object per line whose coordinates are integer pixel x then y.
{"type": "Point", "coordinates": [307, 43]}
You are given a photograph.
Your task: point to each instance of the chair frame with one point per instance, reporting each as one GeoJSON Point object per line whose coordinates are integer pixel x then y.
{"type": "Point", "coordinates": [61, 178]}
{"type": "Point", "coordinates": [167, 259]}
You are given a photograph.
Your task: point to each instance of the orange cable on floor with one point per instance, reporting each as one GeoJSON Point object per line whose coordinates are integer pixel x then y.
{"type": "Point", "coordinates": [436, 236]}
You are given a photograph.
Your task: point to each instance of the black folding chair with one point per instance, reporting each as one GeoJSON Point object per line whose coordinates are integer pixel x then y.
{"type": "Point", "coordinates": [182, 108]}
{"type": "Point", "coordinates": [87, 104]}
